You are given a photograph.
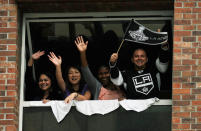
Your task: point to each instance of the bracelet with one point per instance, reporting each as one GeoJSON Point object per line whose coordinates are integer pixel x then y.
{"type": "Point", "coordinates": [76, 96]}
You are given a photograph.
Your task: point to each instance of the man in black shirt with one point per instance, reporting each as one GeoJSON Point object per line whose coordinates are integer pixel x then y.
{"type": "Point", "coordinates": [142, 81]}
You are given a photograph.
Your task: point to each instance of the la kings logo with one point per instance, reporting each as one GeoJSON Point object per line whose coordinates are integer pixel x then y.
{"type": "Point", "coordinates": [143, 83]}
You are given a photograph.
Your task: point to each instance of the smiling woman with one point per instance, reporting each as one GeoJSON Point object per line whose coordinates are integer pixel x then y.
{"type": "Point", "coordinates": [74, 87]}
{"type": "Point", "coordinates": [44, 89]}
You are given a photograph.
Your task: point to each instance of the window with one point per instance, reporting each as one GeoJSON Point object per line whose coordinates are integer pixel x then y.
{"type": "Point", "coordinates": [57, 34]}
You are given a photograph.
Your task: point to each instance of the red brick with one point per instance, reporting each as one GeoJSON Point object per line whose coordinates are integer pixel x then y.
{"type": "Point", "coordinates": [196, 79]}
{"type": "Point", "coordinates": [7, 76]}
{"type": "Point", "coordinates": [11, 70]}
{"type": "Point", "coordinates": [7, 41]}
{"type": "Point", "coordinates": [10, 104]}
{"type": "Point", "coordinates": [188, 85]}
{"type": "Point", "coordinates": [195, 114]}
{"type": "Point", "coordinates": [196, 10]}
{"type": "Point", "coordinates": [3, 24]}
{"type": "Point", "coordinates": [176, 109]}
{"type": "Point", "coordinates": [189, 4]}
{"type": "Point", "coordinates": [183, 45]}
{"type": "Point", "coordinates": [6, 111]}
{"type": "Point", "coordinates": [196, 21]}
{"type": "Point", "coordinates": [196, 56]}
{"type": "Point", "coordinates": [11, 81]}
{"type": "Point", "coordinates": [196, 103]}
{"type": "Point", "coordinates": [7, 122]}
{"type": "Point", "coordinates": [11, 93]}
{"type": "Point", "coordinates": [8, 53]}
{"type": "Point", "coordinates": [2, 58]}
{"type": "Point", "coordinates": [2, 81]}
{"type": "Point", "coordinates": [10, 116]}
{"type": "Point", "coordinates": [11, 128]}
{"type": "Point", "coordinates": [177, 50]}
{"type": "Point", "coordinates": [177, 62]}
{"type": "Point", "coordinates": [189, 39]}
{"type": "Point", "coordinates": [181, 68]}
{"type": "Point", "coordinates": [181, 126]}
{"type": "Point", "coordinates": [181, 114]}
{"type": "Point", "coordinates": [12, 13]}
{"type": "Point", "coordinates": [182, 22]}
{"type": "Point", "coordinates": [12, 24]}
{"type": "Point", "coordinates": [182, 56]}
{"type": "Point", "coordinates": [3, 47]}
{"type": "Point", "coordinates": [176, 97]}
{"type": "Point", "coordinates": [8, 30]}
{"type": "Point", "coordinates": [181, 79]}
{"type": "Point", "coordinates": [12, 47]}
{"type": "Point", "coordinates": [188, 97]}
{"type": "Point", "coordinates": [188, 73]}
{"type": "Point", "coordinates": [187, 109]}
{"type": "Point", "coordinates": [2, 70]}
{"type": "Point", "coordinates": [178, 27]}
{"type": "Point", "coordinates": [176, 85]}
{"type": "Point", "coordinates": [196, 67]}
{"type": "Point", "coordinates": [196, 91]}
{"type": "Point", "coordinates": [188, 120]}
{"type": "Point", "coordinates": [12, 36]}
{"type": "Point", "coordinates": [176, 120]}
{"type": "Point", "coordinates": [7, 99]}
{"type": "Point", "coordinates": [199, 108]}
{"type": "Point", "coordinates": [183, 10]}
{"type": "Point", "coordinates": [189, 27]}
{"type": "Point", "coordinates": [177, 39]}
{"type": "Point", "coordinates": [196, 126]}
{"type": "Point", "coordinates": [188, 62]}
{"type": "Point", "coordinates": [181, 103]}
{"type": "Point", "coordinates": [182, 33]}
{"type": "Point", "coordinates": [181, 91]}
{"type": "Point", "coordinates": [178, 4]}
{"type": "Point", "coordinates": [1, 117]}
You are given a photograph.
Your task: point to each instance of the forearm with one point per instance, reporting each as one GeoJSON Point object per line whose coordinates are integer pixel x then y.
{"type": "Point", "coordinates": [60, 79]}
{"type": "Point", "coordinates": [115, 75]}
{"type": "Point", "coordinates": [83, 59]}
{"type": "Point", "coordinates": [162, 60]}
{"type": "Point", "coordinates": [80, 97]}
{"type": "Point", "coordinates": [30, 62]}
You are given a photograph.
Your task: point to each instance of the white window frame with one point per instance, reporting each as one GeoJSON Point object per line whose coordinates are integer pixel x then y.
{"type": "Point", "coordinates": [66, 17]}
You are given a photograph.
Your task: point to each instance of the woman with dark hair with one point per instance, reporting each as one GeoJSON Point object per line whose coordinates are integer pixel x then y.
{"type": "Point", "coordinates": [74, 86]}
{"type": "Point", "coordinates": [46, 84]}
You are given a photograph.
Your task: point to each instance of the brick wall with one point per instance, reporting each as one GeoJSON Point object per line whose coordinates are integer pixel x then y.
{"type": "Point", "coordinates": [8, 66]}
{"type": "Point", "coordinates": [186, 114]}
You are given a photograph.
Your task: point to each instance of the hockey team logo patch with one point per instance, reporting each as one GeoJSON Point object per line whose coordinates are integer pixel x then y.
{"type": "Point", "coordinates": [143, 83]}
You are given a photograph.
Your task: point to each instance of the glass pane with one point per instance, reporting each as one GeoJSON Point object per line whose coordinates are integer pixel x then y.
{"type": "Point", "coordinates": [104, 39]}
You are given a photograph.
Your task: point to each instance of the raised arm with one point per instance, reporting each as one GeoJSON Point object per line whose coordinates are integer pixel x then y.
{"type": "Point", "coordinates": [92, 82]}
{"type": "Point", "coordinates": [163, 59]}
{"type": "Point", "coordinates": [57, 62]}
{"type": "Point", "coordinates": [35, 56]}
{"type": "Point", "coordinates": [82, 47]}
{"type": "Point", "coordinates": [115, 74]}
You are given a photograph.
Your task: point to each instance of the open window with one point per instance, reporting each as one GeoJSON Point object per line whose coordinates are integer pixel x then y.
{"type": "Point", "coordinates": [104, 38]}
{"type": "Point", "coordinates": [57, 34]}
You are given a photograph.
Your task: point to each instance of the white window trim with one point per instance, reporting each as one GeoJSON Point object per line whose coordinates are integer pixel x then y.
{"type": "Point", "coordinates": [92, 16]}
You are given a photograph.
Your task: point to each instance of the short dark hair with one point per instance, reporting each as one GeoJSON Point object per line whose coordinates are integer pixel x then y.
{"type": "Point", "coordinates": [139, 49]}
